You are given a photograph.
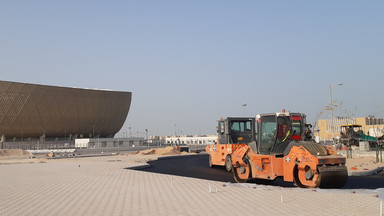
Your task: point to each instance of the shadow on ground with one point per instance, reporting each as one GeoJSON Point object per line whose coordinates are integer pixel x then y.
{"type": "Point", "coordinates": [196, 166]}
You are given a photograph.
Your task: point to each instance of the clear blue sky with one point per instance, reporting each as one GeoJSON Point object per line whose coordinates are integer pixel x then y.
{"type": "Point", "coordinates": [188, 63]}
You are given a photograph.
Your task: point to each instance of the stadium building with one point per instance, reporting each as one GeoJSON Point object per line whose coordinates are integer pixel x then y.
{"type": "Point", "coordinates": [329, 129]}
{"type": "Point", "coordinates": [42, 113]}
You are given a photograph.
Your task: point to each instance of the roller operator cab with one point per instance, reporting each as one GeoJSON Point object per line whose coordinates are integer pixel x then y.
{"type": "Point", "coordinates": [233, 133]}
{"type": "Point", "coordinates": [276, 130]}
{"type": "Point", "coordinates": [280, 151]}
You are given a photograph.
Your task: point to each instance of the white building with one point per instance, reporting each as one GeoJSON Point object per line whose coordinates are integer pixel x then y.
{"type": "Point", "coordinates": [191, 140]}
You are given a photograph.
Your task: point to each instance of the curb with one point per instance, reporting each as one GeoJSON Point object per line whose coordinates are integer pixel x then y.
{"type": "Point", "coordinates": [175, 156]}
{"type": "Point", "coordinates": [366, 173]}
{"type": "Point", "coordinates": [139, 167]}
{"type": "Point", "coordinates": [80, 156]}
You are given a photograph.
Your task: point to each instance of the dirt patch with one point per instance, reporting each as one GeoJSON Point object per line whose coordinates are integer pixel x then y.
{"type": "Point", "coordinates": [362, 163]}
{"type": "Point", "coordinates": [159, 151]}
{"type": "Point", "coordinates": [13, 153]}
{"type": "Point", "coordinates": [16, 156]}
{"type": "Point", "coordinates": [11, 161]}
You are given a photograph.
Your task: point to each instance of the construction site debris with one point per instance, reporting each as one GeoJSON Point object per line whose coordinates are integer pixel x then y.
{"type": "Point", "coordinates": [159, 151]}
{"type": "Point", "coordinates": [13, 153]}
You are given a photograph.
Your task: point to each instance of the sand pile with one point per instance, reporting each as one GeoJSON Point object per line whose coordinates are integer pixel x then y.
{"type": "Point", "coordinates": [159, 151]}
{"type": "Point", "coordinates": [13, 152]}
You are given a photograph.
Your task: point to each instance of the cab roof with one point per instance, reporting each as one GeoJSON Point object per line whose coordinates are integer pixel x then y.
{"type": "Point", "coordinates": [237, 118]}
{"type": "Point", "coordinates": [281, 114]}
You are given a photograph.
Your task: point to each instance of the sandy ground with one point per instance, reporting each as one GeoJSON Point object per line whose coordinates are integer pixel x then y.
{"type": "Point", "coordinates": [159, 151]}
{"type": "Point", "coordinates": [102, 186]}
{"type": "Point", "coordinates": [16, 156]}
{"type": "Point", "coordinates": [362, 163]}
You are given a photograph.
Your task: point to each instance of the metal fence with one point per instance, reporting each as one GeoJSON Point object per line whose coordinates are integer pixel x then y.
{"type": "Point", "coordinates": [37, 145]}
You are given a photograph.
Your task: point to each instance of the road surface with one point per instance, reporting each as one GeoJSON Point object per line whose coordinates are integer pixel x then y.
{"type": "Point", "coordinates": [196, 166]}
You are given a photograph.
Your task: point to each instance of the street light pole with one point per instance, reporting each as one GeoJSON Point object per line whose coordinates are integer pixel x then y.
{"type": "Point", "coordinates": [244, 105]}
{"type": "Point", "coordinates": [331, 107]}
{"type": "Point", "coordinates": [331, 100]}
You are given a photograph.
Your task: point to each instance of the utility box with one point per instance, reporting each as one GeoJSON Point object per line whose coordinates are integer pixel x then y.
{"type": "Point", "coordinates": [364, 145]}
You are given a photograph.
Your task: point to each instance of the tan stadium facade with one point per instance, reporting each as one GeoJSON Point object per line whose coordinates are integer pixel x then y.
{"type": "Point", "coordinates": [30, 111]}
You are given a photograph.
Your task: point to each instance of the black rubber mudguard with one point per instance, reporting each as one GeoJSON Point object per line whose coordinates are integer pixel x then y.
{"type": "Point", "coordinates": [314, 148]}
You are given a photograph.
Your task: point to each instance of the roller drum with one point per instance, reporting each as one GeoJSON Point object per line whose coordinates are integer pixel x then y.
{"type": "Point", "coordinates": [333, 176]}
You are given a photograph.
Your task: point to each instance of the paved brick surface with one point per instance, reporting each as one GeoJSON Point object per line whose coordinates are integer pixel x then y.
{"type": "Point", "coordinates": [101, 186]}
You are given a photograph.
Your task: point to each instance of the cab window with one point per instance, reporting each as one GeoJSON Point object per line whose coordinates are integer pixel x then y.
{"type": "Point", "coordinates": [296, 127]}
{"type": "Point", "coordinates": [241, 126]}
{"type": "Point", "coordinates": [283, 129]}
{"type": "Point", "coordinates": [267, 132]}
{"type": "Point", "coordinates": [222, 127]}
